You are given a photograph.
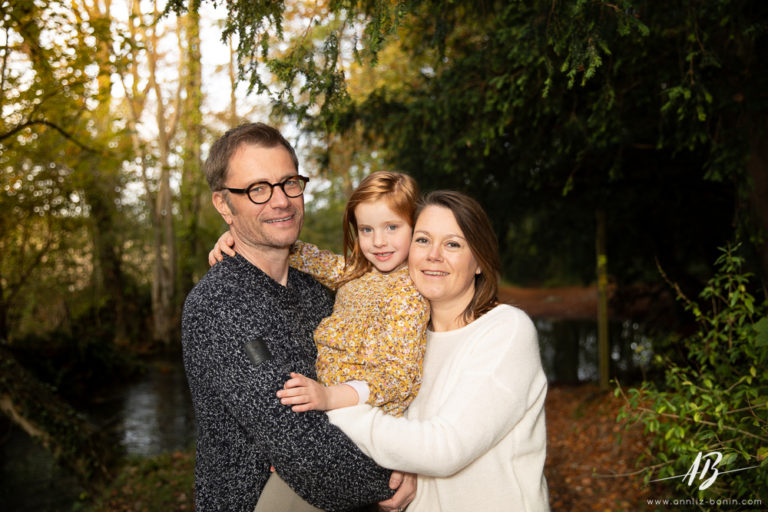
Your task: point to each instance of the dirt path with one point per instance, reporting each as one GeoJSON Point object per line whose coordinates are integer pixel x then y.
{"type": "Point", "coordinates": [585, 461]}
{"type": "Point", "coordinates": [560, 302]}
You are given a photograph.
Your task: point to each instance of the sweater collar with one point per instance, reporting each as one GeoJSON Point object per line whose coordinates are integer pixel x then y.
{"type": "Point", "coordinates": [250, 271]}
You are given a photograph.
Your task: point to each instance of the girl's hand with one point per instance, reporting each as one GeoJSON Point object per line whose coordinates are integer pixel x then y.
{"type": "Point", "coordinates": [224, 245]}
{"type": "Point", "coordinates": [304, 394]}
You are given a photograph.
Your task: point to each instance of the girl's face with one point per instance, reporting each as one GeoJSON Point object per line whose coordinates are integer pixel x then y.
{"type": "Point", "coordinates": [441, 263]}
{"type": "Point", "coordinates": [383, 235]}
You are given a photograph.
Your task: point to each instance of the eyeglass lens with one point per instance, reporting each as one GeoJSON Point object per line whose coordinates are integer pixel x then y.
{"type": "Point", "coordinates": [262, 192]}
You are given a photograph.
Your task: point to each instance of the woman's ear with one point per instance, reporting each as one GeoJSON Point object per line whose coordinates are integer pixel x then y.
{"type": "Point", "coordinates": [222, 206]}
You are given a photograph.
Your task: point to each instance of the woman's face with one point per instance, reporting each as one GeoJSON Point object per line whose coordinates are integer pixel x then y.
{"type": "Point", "coordinates": [440, 262]}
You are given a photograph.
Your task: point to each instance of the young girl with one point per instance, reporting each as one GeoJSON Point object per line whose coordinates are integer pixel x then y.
{"type": "Point", "coordinates": [371, 347]}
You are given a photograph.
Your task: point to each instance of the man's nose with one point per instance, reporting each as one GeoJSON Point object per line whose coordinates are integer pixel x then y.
{"type": "Point", "coordinates": [278, 199]}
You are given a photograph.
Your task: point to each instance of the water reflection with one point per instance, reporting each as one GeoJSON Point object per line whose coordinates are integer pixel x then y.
{"type": "Point", "coordinates": [146, 416]}
{"type": "Point", "coordinates": [569, 350]}
{"type": "Point", "coordinates": [156, 413]}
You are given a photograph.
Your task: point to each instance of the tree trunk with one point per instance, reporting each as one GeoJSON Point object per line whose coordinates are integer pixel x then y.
{"type": "Point", "coordinates": [74, 443]}
{"type": "Point", "coordinates": [603, 342]}
{"type": "Point", "coordinates": [232, 84]}
{"type": "Point", "coordinates": [757, 168]}
{"type": "Point", "coordinates": [3, 315]}
{"type": "Point", "coordinates": [108, 274]}
{"type": "Point", "coordinates": [164, 315]}
{"type": "Point", "coordinates": [102, 183]}
{"type": "Point", "coordinates": [163, 311]}
{"type": "Point", "coordinates": [193, 185]}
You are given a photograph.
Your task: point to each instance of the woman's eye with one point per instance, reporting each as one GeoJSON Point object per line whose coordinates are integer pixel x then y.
{"type": "Point", "coordinates": [453, 245]}
{"type": "Point", "coordinates": [420, 240]}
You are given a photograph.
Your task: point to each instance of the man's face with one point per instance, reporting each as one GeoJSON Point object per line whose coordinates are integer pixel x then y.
{"type": "Point", "coordinates": [274, 224]}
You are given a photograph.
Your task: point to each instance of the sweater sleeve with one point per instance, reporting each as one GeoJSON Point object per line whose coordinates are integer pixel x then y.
{"type": "Point", "coordinates": [316, 459]}
{"type": "Point", "coordinates": [325, 266]}
{"type": "Point", "coordinates": [393, 372]}
{"type": "Point", "coordinates": [499, 377]}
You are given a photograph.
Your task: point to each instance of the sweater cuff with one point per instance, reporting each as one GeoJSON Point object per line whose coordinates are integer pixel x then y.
{"type": "Point", "coordinates": [362, 390]}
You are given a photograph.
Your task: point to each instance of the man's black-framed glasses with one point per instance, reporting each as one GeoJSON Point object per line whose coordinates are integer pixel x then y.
{"type": "Point", "coordinates": [261, 191]}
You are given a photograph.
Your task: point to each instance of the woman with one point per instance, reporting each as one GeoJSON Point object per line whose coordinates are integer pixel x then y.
{"type": "Point", "coordinates": [475, 433]}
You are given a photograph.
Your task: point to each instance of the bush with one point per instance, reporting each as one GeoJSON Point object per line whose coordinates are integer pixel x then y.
{"type": "Point", "coordinates": [712, 415]}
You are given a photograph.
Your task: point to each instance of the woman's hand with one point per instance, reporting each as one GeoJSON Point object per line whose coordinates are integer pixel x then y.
{"type": "Point", "coordinates": [224, 245]}
{"type": "Point", "coordinates": [405, 483]}
{"type": "Point", "coordinates": [305, 394]}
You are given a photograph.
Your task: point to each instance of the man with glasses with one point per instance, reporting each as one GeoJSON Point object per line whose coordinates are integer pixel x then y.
{"type": "Point", "coordinates": [246, 325]}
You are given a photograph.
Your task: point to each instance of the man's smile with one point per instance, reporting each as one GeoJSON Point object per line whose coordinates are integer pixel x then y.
{"type": "Point", "coordinates": [282, 219]}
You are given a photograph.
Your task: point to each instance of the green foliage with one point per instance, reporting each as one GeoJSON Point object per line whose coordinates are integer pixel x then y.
{"type": "Point", "coordinates": [60, 160]}
{"type": "Point", "coordinates": [76, 240]}
{"type": "Point", "coordinates": [716, 400]}
{"type": "Point", "coordinates": [323, 219]}
{"type": "Point", "coordinates": [156, 484]}
{"type": "Point", "coordinates": [545, 110]}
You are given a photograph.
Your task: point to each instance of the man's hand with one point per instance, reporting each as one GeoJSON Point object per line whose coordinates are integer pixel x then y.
{"type": "Point", "coordinates": [405, 483]}
{"type": "Point", "coordinates": [224, 245]}
{"type": "Point", "coordinates": [305, 394]}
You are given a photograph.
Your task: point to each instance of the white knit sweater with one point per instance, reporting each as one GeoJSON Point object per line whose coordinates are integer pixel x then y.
{"type": "Point", "coordinates": [475, 434]}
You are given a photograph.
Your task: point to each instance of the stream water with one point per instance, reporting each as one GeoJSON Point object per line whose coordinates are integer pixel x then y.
{"type": "Point", "coordinates": [146, 416]}
{"type": "Point", "coordinates": [153, 414]}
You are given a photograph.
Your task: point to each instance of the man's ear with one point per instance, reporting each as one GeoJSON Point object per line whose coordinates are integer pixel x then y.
{"type": "Point", "coordinates": [220, 203]}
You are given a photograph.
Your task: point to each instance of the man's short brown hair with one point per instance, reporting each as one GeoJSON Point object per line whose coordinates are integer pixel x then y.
{"type": "Point", "coordinates": [257, 134]}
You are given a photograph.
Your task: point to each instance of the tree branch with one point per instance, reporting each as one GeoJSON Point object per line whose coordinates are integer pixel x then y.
{"type": "Point", "coordinates": [703, 422]}
{"type": "Point", "coordinates": [16, 129]}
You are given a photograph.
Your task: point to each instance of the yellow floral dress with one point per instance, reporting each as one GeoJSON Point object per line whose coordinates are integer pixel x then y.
{"type": "Point", "coordinates": [376, 333]}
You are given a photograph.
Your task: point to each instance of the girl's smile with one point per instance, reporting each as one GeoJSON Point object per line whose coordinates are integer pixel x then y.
{"type": "Point", "coordinates": [383, 235]}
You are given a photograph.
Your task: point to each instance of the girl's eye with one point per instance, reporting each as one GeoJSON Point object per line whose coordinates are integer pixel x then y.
{"type": "Point", "coordinates": [392, 227]}
{"type": "Point", "coordinates": [365, 230]}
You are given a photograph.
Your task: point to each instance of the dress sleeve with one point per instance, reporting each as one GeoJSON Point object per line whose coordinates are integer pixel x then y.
{"type": "Point", "coordinates": [491, 392]}
{"type": "Point", "coordinates": [312, 455]}
{"type": "Point", "coordinates": [394, 366]}
{"type": "Point", "coordinates": [325, 266]}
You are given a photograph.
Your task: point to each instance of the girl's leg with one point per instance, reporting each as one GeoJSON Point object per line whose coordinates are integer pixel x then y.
{"type": "Point", "coordinates": [277, 496]}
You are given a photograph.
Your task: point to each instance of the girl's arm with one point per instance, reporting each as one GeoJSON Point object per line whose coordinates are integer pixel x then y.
{"type": "Point", "coordinates": [396, 351]}
{"type": "Point", "coordinates": [499, 386]}
{"type": "Point", "coordinates": [325, 266]}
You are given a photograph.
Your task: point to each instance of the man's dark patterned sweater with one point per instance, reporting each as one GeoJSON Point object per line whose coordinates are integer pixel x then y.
{"type": "Point", "coordinates": [242, 428]}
